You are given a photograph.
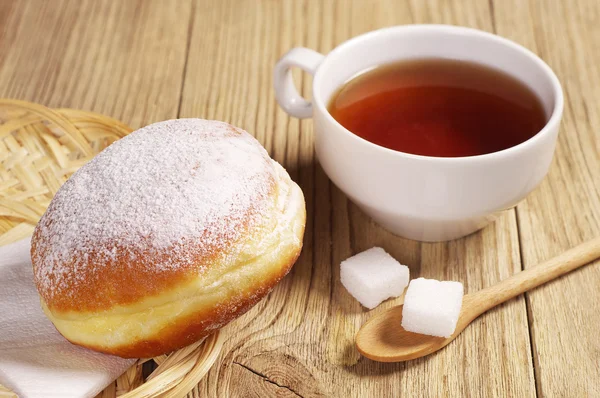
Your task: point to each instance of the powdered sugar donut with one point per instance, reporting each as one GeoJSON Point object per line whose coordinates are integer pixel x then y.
{"type": "Point", "coordinates": [166, 235]}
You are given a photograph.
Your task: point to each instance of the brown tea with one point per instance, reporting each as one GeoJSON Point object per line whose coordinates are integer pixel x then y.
{"type": "Point", "coordinates": [439, 107]}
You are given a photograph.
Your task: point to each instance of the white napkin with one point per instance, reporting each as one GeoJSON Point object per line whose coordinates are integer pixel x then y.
{"type": "Point", "coordinates": [35, 360]}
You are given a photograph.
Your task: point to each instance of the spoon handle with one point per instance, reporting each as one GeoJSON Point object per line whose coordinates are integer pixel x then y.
{"type": "Point", "coordinates": [535, 276]}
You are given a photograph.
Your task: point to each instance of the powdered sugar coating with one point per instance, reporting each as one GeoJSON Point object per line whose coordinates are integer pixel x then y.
{"type": "Point", "coordinates": [168, 191]}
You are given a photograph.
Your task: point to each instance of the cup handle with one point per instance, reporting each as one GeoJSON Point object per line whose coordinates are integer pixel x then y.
{"type": "Point", "coordinates": [285, 91]}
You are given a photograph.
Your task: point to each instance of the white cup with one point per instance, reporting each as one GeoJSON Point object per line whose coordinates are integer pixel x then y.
{"type": "Point", "coordinates": [421, 197]}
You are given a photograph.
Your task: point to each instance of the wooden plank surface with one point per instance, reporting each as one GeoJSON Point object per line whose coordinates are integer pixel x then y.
{"type": "Point", "coordinates": [142, 61]}
{"type": "Point", "coordinates": [122, 59]}
{"type": "Point", "coordinates": [564, 315]}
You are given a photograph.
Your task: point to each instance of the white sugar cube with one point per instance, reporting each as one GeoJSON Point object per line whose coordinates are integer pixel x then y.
{"type": "Point", "coordinates": [432, 307]}
{"type": "Point", "coordinates": [373, 276]}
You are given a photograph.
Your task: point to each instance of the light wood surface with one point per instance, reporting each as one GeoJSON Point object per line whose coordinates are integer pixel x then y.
{"type": "Point", "coordinates": [144, 61]}
{"type": "Point", "coordinates": [381, 339]}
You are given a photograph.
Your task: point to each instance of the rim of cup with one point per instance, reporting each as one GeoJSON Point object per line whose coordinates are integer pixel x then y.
{"type": "Point", "coordinates": [554, 118]}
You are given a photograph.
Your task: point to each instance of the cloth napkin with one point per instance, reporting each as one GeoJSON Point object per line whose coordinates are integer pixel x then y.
{"type": "Point", "coordinates": [35, 360]}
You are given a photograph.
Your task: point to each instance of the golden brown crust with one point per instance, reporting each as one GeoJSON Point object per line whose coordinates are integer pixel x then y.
{"type": "Point", "coordinates": [104, 290]}
{"type": "Point", "coordinates": [237, 291]}
{"type": "Point", "coordinates": [199, 325]}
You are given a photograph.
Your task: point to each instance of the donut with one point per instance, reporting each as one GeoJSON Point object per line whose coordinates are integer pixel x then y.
{"type": "Point", "coordinates": [165, 236]}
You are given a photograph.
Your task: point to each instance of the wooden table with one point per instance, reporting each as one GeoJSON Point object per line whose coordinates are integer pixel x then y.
{"type": "Point", "coordinates": [144, 61]}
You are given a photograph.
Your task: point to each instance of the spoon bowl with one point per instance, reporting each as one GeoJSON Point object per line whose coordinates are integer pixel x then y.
{"type": "Point", "coordinates": [383, 339]}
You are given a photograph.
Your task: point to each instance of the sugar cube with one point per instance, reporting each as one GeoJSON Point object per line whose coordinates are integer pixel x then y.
{"type": "Point", "coordinates": [373, 276]}
{"type": "Point", "coordinates": [432, 307]}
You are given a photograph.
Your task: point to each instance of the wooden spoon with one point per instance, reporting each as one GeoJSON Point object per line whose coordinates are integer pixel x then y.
{"type": "Point", "coordinates": [382, 338]}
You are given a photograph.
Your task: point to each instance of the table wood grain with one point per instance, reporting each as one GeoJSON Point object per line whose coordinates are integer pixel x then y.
{"type": "Point", "coordinates": [145, 61]}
